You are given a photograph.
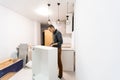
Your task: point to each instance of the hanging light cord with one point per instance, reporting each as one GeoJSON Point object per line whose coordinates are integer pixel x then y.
{"type": "Point", "coordinates": [67, 7]}
{"type": "Point", "coordinates": [48, 14]}
{"type": "Point", "coordinates": [58, 11]}
{"type": "Point", "coordinates": [67, 11]}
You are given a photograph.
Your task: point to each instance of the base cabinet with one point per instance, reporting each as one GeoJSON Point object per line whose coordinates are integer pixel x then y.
{"type": "Point", "coordinates": [44, 65]}
{"type": "Point", "coordinates": [68, 58]}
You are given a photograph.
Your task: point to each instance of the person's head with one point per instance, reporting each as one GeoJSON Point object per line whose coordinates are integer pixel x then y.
{"type": "Point", "coordinates": [51, 28]}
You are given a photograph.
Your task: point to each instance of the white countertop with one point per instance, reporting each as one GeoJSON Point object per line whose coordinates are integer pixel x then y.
{"type": "Point", "coordinates": [44, 47]}
{"type": "Point", "coordinates": [69, 49]}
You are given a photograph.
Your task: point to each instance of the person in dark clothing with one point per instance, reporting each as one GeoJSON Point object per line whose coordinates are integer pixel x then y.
{"type": "Point", "coordinates": [57, 42]}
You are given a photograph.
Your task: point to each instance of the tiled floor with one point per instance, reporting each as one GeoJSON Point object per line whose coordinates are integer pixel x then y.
{"type": "Point", "coordinates": [68, 76]}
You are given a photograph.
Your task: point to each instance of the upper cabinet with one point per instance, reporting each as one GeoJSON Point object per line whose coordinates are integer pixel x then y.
{"type": "Point", "coordinates": [69, 24]}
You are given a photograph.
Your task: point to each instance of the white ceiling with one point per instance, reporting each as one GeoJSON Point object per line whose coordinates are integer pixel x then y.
{"type": "Point", "coordinates": [27, 8]}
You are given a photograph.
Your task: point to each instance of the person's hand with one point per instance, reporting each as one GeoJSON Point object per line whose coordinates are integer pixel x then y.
{"type": "Point", "coordinates": [53, 44]}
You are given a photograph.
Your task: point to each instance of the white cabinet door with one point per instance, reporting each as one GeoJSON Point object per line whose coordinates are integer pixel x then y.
{"type": "Point", "coordinates": [68, 60]}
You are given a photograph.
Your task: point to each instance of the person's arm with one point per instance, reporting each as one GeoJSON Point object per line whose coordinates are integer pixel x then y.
{"type": "Point", "coordinates": [60, 39]}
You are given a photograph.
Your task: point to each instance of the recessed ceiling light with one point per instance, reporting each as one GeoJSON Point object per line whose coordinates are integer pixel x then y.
{"type": "Point", "coordinates": [43, 11]}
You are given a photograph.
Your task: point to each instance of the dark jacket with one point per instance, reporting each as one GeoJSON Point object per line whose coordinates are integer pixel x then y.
{"type": "Point", "coordinates": [57, 38]}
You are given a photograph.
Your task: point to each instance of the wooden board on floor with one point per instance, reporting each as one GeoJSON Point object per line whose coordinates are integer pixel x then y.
{"type": "Point", "coordinates": [8, 75]}
{"type": "Point", "coordinates": [6, 63]}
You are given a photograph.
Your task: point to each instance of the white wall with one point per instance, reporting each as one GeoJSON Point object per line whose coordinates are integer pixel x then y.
{"type": "Point", "coordinates": [97, 39]}
{"type": "Point", "coordinates": [37, 30]}
{"type": "Point", "coordinates": [14, 29]}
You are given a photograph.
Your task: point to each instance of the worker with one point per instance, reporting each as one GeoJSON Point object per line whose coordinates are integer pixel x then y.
{"type": "Point", "coordinates": [57, 42]}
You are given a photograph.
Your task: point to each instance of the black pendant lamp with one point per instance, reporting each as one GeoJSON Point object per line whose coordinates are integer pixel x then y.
{"type": "Point", "coordinates": [49, 21]}
{"type": "Point", "coordinates": [58, 20]}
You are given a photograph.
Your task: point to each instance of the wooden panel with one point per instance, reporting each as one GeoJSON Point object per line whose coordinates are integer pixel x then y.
{"type": "Point", "coordinates": [6, 63]}
{"type": "Point", "coordinates": [8, 75]}
{"type": "Point", "coordinates": [48, 37]}
{"type": "Point", "coordinates": [10, 65]}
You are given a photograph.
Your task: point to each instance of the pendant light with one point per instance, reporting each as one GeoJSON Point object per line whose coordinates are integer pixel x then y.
{"type": "Point", "coordinates": [49, 21]}
{"type": "Point", "coordinates": [67, 16]}
{"type": "Point", "coordinates": [58, 21]}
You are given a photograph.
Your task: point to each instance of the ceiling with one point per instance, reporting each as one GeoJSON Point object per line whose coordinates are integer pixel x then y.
{"type": "Point", "coordinates": [27, 8]}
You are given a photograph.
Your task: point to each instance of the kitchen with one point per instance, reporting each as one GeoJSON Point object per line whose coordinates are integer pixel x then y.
{"type": "Point", "coordinates": [96, 30]}
{"type": "Point", "coordinates": [33, 11]}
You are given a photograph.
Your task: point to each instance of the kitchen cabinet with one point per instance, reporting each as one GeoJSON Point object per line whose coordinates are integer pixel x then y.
{"type": "Point", "coordinates": [48, 37]}
{"type": "Point", "coordinates": [44, 65]}
{"type": "Point", "coordinates": [68, 59]}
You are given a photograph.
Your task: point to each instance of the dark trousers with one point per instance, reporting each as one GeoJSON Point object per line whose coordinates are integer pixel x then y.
{"type": "Point", "coordinates": [60, 66]}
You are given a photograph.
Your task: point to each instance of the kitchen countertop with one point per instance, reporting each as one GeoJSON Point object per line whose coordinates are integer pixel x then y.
{"type": "Point", "coordinates": [68, 49]}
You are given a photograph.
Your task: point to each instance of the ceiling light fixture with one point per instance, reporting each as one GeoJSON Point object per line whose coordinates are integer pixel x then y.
{"type": "Point", "coordinates": [49, 22]}
{"type": "Point", "coordinates": [43, 11]}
